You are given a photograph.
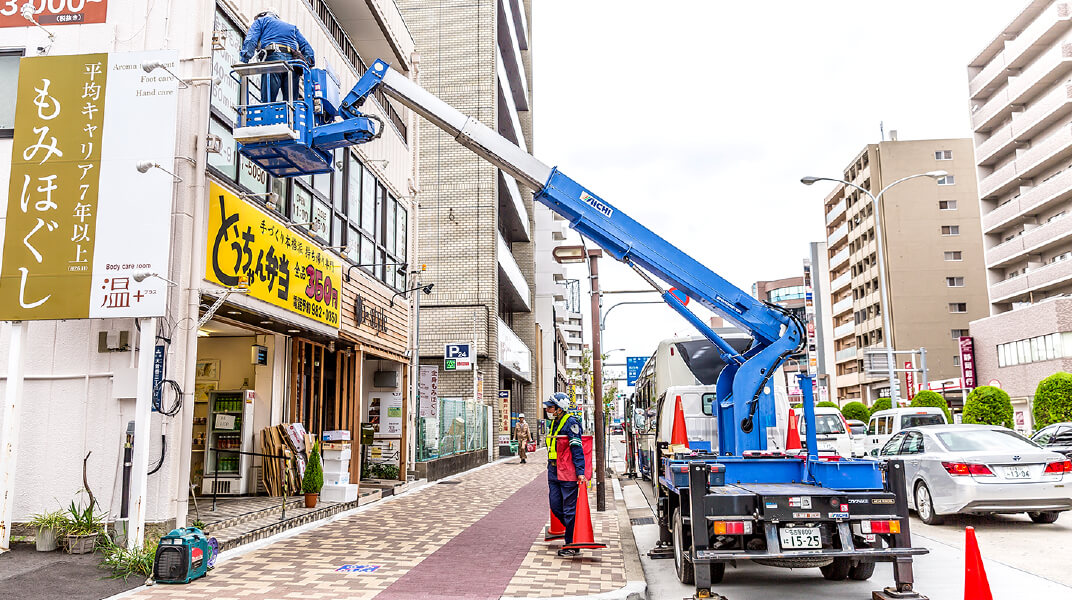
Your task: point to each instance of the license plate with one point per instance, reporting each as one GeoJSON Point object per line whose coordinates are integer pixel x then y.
{"type": "Point", "coordinates": [800, 537]}
{"type": "Point", "coordinates": [1017, 473]}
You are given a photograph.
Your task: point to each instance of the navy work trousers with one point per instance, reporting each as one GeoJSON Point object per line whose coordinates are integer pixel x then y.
{"type": "Point", "coordinates": [562, 495]}
{"type": "Point", "coordinates": [272, 84]}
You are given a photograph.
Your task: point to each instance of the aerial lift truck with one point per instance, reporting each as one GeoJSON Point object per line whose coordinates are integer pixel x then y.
{"type": "Point", "coordinates": [741, 502]}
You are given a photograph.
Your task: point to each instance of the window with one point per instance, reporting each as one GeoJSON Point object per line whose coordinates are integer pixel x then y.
{"type": "Point", "coordinates": [954, 282]}
{"type": "Point", "coordinates": [913, 443]}
{"type": "Point", "coordinates": [1036, 349]}
{"type": "Point", "coordinates": [893, 446]}
{"type": "Point", "coordinates": [947, 180]}
{"type": "Point", "coordinates": [947, 205]}
{"type": "Point", "coordinates": [943, 155]}
{"type": "Point", "coordinates": [950, 229]}
{"type": "Point", "coordinates": [956, 361]}
{"type": "Point", "coordinates": [958, 333]}
{"type": "Point", "coordinates": [9, 71]}
{"type": "Point", "coordinates": [954, 255]}
{"type": "Point", "coordinates": [958, 307]}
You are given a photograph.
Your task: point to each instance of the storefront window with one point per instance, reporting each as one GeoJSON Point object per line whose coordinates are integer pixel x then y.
{"type": "Point", "coordinates": [368, 206]}
{"type": "Point", "coordinates": [321, 220]}
{"type": "Point", "coordinates": [353, 190]}
{"type": "Point", "coordinates": [460, 426]}
{"type": "Point", "coordinates": [301, 205]}
{"type": "Point", "coordinates": [224, 161]}
{"type": "Point", "coordinates": [252, 176]}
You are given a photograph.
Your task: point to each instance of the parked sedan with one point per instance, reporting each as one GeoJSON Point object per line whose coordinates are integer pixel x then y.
{"type": "Point", "coordinates": [952, 469]}
{"type": "Point", "coordinates": [1056, 437]}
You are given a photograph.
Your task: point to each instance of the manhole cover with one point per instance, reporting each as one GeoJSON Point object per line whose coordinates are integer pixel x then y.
{"type": "Point", "coordinates": [643, 521]}
{"type": "Point", "coordinates": [449, 482]}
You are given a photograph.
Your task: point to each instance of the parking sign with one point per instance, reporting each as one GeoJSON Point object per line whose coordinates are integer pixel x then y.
{"type": "Point", "coordinates": [457, 357]}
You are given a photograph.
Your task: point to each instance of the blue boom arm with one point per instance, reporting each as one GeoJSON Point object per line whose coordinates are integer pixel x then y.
{"type": "Point", "coordinates": [745, 401]}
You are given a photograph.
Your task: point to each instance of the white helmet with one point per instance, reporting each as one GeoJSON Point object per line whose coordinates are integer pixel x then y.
{"type": "Point", "coordinates": [558, 399]}
{"type": "Point", "coordinates": [521, 415]}
{"type": "Point", "coordinates": [266, 12]}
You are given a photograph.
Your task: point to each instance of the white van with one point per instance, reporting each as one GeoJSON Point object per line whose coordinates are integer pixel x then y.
{"type": "Point", "coordinates": [885, 423]}
{"type": "Point", "coordinates": [831, 432]}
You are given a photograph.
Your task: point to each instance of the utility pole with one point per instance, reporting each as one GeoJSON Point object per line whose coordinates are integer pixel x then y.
{"type": "Point", "coordinates": [597, 383]}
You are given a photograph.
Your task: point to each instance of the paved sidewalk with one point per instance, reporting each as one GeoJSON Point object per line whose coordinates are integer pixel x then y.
{"type": "Point", "coordinates": [479, 538]}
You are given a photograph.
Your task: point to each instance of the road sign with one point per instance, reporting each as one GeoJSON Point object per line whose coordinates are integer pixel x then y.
{"type": "Point", "coordinates": [633, 365]}
{"type": "Point", "coordinates": [457, 357]}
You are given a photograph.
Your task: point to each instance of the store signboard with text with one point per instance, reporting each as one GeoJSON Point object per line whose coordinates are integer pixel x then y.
{"type": "Point", "coordinates": [390, 413]}
{"type": "Point", "coordinates": [54, 12]}
{"type": "Point", "coordinates": [429, 391]}
{"type": "Point", "coordinates": [81, 219]}
{"type": "Point", "coordinates": [504, 413]}
{"type": "Point", "coordinates": [282, 268]}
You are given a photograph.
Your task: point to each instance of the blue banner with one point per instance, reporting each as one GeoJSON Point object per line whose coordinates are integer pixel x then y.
{"type": "Point", "coordinates": [633, 365]}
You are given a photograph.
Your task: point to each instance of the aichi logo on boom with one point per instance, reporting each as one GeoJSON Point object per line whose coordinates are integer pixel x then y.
{"type": "Point", "coordinates": [597, 204]}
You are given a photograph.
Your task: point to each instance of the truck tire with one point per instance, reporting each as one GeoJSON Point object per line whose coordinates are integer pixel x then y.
{"type": "Point", "coordinates": [837, 570]}
{"type": "Point", "coordinates": [1048, 516]}
{"type": "Point", "coordinates": [925, 505]}
{"type": "Point", "coordinates": [862, 571]}
{"type": "Point", "coordinates": [682, 564]}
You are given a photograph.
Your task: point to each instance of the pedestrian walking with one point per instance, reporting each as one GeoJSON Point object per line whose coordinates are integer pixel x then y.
{"type": "Point", "coordinates": [562, 494]}
{"type": "Point", "coordinates": [276, 40]}
{"type": "Point", "coordinates": [522, 435]}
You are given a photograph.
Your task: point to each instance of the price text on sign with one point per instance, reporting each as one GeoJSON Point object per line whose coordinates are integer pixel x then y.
{"type": "Point", "coordinates": [282, 268]}
{"type": "Point", "coordinates": [54, 12]}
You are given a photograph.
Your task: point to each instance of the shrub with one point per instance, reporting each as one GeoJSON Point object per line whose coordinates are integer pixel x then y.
{"type": "Point", "coordinates": [929, 398]}
{"type": "Point", "coordinates": [123, 562]}
{"type": "Point", "coordinates": [1053, 400]}
{"type": "Point", "coordinates": [826, 404]}
{"type": "Point", "coordinates": [988, 405]}
{"type": "Point", "coordinates": [313, 479]}
{"type": "Point", "coordinates": [856, 411]}
{"type": "Point", "coordinates": [881, 404]}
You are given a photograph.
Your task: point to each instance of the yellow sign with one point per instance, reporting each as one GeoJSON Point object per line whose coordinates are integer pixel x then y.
{"type": "Point", "coordinates": [282, 267]}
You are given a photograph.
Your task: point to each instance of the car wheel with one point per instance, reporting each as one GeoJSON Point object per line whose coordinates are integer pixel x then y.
{"type": "Point", "coordinates": [682, 564]}
{"type": "Point", "coordinates": [862, 571]}
{"type": "Point", "coordinates": [837, 570]}
{"type": "Point", "coordinates": [925, 505]}
{"type": "Point", "coordinates": [1048, 516]}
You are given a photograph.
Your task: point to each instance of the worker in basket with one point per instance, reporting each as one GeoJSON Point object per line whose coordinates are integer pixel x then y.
{"type": "Point", "coordinates": [271, 38]}
{"type": "Point", "coordinates": [562, 494]}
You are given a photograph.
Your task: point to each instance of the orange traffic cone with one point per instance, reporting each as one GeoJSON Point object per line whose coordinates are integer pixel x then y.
{"type": "Point", "coordinates": [555, 531]}
{"type": "Point", "coordinates": [679, 435]}
{"type": "Point", "coordinates": [976, 587]}
{"type": "Point", "coordinates": [582, 522]}
{"type": "Point", "coordinates": [792, 436]}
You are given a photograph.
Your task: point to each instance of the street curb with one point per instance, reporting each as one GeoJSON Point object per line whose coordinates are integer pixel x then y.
{"type": "Point", "coordinates": [633, 590]}
{"type": "Point", "coordinates": [261, 543]}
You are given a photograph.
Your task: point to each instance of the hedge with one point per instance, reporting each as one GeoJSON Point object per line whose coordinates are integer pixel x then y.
{"type": "Point", "coordinates": [929, 398]}
{"type": "Point", "coordinates": [856, 411]}
{"type": "Point", "coordinates": [881, 404]}
{"type": "Point", "coordinates": [826, 404]}
{"type": "Point", "coordinates": [1053, 400]}
{"type": "Point", "coordinates": [988, 405]}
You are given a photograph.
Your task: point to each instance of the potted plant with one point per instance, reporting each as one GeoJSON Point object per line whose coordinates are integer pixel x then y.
{"type": "Point", "coordinates": [49, 526]}
{"type": "Point", "coordinates": [82, 526]}
{"type": "Point", "coordinates": [313, 479]}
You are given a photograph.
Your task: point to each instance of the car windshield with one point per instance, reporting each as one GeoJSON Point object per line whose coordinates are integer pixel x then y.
{"type": "Point", "coordinates": [921, 420]}
{"type": "Point", "coordinates": [704, 360]}
{"type": "Point", "coordinates": [990, 440]}
{"type": "Point", "coordinates": [826, 425]}
{"type": "Point", "coordinates": [858, 429]}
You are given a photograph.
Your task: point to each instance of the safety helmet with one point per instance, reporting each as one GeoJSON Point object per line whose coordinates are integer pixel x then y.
{"type": "Point", "coordinates": [521, 415]}
{"type": "Point", "coordinates": [558, 399]}
{"type": "Point", "coordinates": [269, 11]}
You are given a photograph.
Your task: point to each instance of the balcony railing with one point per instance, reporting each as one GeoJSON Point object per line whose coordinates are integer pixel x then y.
{"type": "Point", "coordinates": [842, 306]}
{"type": "Point", "coordinates": [844, 330]}
{"type": "Point", "coordinates": [1041, 114]}
{"type": "Point", "coordinates": [840, 283]}
{"type": "Point", "coordinates": [845, 355]}
{"type": "Point", "coordinates": [839, 209]}
{"type": "Point", "coordinates": [1049, 67]}
{"type": "Point", "coordinates": [513, 274]}
{"type": "Point", "coordinates": [838, 234]}
{"type": "Point", "coordinates": [1028, 164]}
{"type": "Point", "coordinates": [840, 258]}
{"type": "Point", "coordinates": [1031, 200]}
{"type": "Point", "coordinates": [1046, 26]}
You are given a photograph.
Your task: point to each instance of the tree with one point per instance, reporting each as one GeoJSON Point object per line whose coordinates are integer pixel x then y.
{"type": "Point", "coordinates": [826, 404]}
{"type": "Point", "coordinates": [929, 398]}
{"type": "Point", "coordinates": [856, 411]}
{"type": "Point", "coordinates": [988, 405]}
{"type": "Point", "coordinates": [881, 404]}
{"type": "Point", "coordinates": [1053, 400]}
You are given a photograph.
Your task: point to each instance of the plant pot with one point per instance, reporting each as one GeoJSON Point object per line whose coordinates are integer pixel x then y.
{"type": "Point", "coordinates": [310, 500]}
{"type": "Point", "coordinates": [46, 539]}
{"type": "Point", "coordinates": [81, 544]}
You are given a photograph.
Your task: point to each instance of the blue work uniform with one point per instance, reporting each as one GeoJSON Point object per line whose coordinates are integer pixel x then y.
{"type": "Point", "coordinates": [562, 495]}
{"type": "Point", "coordinates": [287, 44]}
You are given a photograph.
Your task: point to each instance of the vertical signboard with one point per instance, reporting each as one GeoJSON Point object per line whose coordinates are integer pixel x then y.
{"type": "Point", "coordinates": [429, 391]}
{"type": "Point", "coordinates": [81, 219]}
{"type": "Point", "coordinates": [390, 413]}
{"type": "Point", "coordinates": [910, 380]}
{"type": "Point", "coordinates": [54, 12]}
{"type": "Point", "coordinates": [504, 416]}
{"type": "Point", "coordinates": [967, 362]}
{"type": "Point", "coordinates": [633, 365]}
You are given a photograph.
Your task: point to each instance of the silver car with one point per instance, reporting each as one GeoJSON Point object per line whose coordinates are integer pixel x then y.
{"type": "Point", "coordinates": [952, 469]}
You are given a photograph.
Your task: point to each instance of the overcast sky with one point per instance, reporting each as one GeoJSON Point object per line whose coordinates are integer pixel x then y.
{"type": "Point", "coordinates": [698, 118]}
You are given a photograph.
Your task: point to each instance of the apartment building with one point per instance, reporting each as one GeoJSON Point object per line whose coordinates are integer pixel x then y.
{"type": "Point", "coordinates": [476, 233]}
{"type": "Point", "coordinates": [1020, 96]}
{"type": "Point", "coordinates": [788, 293]}
{"type": "Point", "coordinates": [933, 261]}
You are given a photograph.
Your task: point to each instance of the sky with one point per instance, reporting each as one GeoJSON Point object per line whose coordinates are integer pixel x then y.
{"type": "Point", "coordinates": [698, 118]}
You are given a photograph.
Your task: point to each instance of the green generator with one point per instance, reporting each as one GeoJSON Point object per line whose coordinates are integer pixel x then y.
{"type": "Point", "coordinates": [183, 555]}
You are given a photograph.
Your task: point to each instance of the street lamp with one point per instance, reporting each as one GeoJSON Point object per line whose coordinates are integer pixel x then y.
{"type": "Point", "coordinates": [578, 254]}
{"type": "Point", "coordinates": [895, 391]}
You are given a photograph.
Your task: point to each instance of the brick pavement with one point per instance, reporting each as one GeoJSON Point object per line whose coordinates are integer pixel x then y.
{"type": "Point", "coordinates": [420, 539]}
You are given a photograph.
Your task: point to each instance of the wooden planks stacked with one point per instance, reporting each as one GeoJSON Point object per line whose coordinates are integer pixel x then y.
{"type": "Point", "coordinates": [279, 479]}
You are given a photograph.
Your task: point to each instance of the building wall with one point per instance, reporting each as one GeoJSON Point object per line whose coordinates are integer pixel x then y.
{"type": "Point", "coordinates": [824, 324]}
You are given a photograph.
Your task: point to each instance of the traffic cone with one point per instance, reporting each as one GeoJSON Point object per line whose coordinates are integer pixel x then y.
{"type": "Point", "coordinates": [679, 435]}
{"type": "Point", "coordinates": [555, 531]}
{"type": "Point", "coordinates": [582, 522]}
{"type": "Point", "coordinates": [976, 587]}
{"type": "Point", "coordinates": [792, 436]}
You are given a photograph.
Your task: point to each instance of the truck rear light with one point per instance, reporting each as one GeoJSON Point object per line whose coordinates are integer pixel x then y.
{"type": "Point", "coordinates": [731, 527]}
{"type": "Point", "coordinates": [959, 469]}
{"type": "Point", "coordinates": [1059, 467]}
{"type": "Point", "coordinates": [880, 526]}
